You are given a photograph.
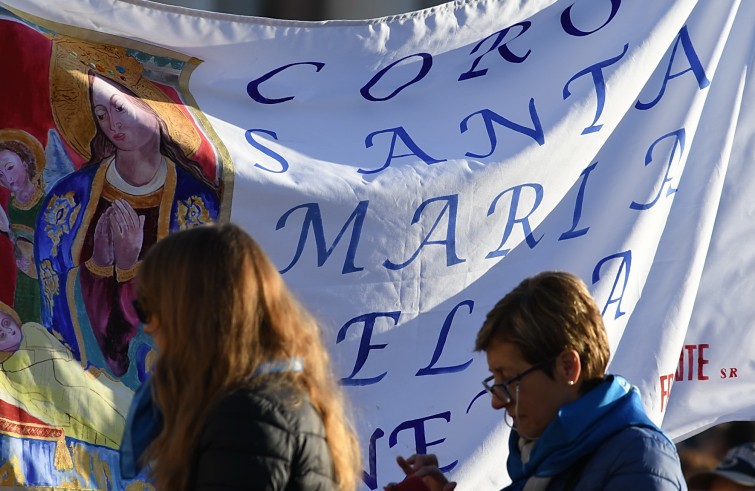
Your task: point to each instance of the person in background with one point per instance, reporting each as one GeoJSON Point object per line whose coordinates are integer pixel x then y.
{"type": "Point", "coordinates": [695, 460]}
{"type": "Point", "coordinates": [735, 472]}
{"type": "Point", "coordinates": [242, 395]}
{"type": "Point", "coordinates": [574, 428]}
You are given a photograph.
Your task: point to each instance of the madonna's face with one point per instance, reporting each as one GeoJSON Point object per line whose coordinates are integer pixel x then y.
{"type": "Point", "coordinates": [10, 333]}
{"type": "Point", "coordinates": [13, 173]}
{"type": "Point", "coordinates": [128, 126]}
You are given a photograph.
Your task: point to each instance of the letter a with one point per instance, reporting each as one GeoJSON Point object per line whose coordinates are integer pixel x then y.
{"type": "Point", "coordinates": [624, 267]}
{"type": "Point", "coordinates": [694, 66]}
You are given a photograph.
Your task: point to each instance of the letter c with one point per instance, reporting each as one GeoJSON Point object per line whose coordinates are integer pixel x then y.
{"type": "Point", "coordinates": [252, 88]}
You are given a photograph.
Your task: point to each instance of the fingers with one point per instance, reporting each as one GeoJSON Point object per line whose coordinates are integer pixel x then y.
{"type": "Point", "coordinates": [424, 467]}
{"type": "Point", "coordinates": [124, 220]}
{"type": "Point", "coordinates": [103, 226]}
{"type": "Point", "coordinates": [117, 222]}
{"type": "Point", "coordinates": [124, 217]}
{"type": "Point", "coordinates": [405, 466]}
{"type": "Point", "coordinates": [415, 462]}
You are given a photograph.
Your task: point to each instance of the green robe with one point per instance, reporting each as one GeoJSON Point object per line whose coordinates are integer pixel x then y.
{"type": "Point", "coordinates": [23, 220]}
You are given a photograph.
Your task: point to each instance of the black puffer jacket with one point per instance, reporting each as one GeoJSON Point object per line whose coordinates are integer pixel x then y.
{"type": "Point", "coordinates": [261, 438]}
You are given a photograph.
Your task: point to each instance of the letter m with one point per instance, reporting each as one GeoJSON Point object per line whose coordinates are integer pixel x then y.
{"type": "Point", "coordinates": [313, 220]}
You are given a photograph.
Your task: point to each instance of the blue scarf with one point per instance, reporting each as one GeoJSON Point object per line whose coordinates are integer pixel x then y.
{"type": "Point", "coordinates": [144, 421]}
{"type": "Point", "coordinates": [579, 428]}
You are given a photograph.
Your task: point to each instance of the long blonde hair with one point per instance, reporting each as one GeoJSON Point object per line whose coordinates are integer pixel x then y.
{"type": "Point", "coordinates": [222, 310]}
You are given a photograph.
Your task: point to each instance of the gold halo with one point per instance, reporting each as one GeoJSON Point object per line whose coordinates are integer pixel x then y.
{"type": "Point", "coordinates": [36, 148]}
{"type": "Point", "coordinates": [4, 307]}
{"type": "Point", "coordinates": [70, 63]}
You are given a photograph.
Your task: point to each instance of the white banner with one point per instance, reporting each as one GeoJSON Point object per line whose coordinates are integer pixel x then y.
{"type": "Point", "coordinates": [405, 173]}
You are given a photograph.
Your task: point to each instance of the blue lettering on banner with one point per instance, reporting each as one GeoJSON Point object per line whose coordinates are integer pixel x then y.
{"type": "Point", "coordinates": [625, 266]}
{"type": "Point", "coordinates": [694, 66]}
{"type": "Point", "coordinates": [420, 437]}
{"type": "Point", "coordinates": [678, 137]}
{"type": "Point", "coordinates": [573, 232]}
{"type": "Point", "coordinates": [489, 117]}
{"type": "Point", "coordinates": [400, 133]}
{"type": "Point", "coordinates": [371, 479]}
{"type": "Point", "coordinates": [431, 369]}
{"type": "Point", "coordinates": [313, 220]}
{"type": "Point", "coordinates": [427, 63]}
{"type": "Point", "coordinates": [512, 219]}
{"type": "Point", "coordinates": [368, 320]}
{"type": "Point", "coordinates": [599, 81]}
{"type": "Point", "coordinates": [252, 88]}
{"type": "Point", "coordinates": [503, 50]}
{"type": "Point", "coordinates": [451, 206]}
{"type": "Point", "coordinates": [474, 399]}
{"type": "Point", "coordinates": [568, 25]}
{"type": "Point", "coordinates": [274, 155]}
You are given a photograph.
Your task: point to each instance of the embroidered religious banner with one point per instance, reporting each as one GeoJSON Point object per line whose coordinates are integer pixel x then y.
{"type": "Point", "coordinates": [403, 173]}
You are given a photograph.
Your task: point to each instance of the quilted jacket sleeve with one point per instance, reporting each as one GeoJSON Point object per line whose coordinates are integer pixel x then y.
{"type": "Point", "coordinates": [260, 440]}
{"type": "Point", "coordinates": [633, 460]}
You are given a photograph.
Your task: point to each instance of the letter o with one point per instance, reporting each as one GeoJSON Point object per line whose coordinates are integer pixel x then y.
{"type": "Point", "coordinates": [569, 27]}
{"type": "Point", "coordinates": [427, 63]}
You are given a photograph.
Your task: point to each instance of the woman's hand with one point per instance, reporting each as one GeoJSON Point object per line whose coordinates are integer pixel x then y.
{"type": "Point", "coordinates": [127, 229]}
{"type": "Point", "coordinates": [425, 467]}
{"type": "Point", "coordinates": [102, 253]}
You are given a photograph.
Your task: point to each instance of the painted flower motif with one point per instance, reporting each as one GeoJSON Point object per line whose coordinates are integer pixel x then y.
{"type": "Point", "coordinates": [191, 213]}
{"type": "Point", "coordinates": [60, 216]}
{"type": "Point", "coordinates": [50, 284]}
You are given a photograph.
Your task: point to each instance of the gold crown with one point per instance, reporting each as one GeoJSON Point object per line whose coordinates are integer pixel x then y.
{"type": "Point", "coordinates": [31, 142]}
{"type": "Point", "coordinates": [71, 61]}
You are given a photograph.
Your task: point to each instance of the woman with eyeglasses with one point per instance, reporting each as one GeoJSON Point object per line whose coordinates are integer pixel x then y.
{"type": "Point", "coordinates": [573, 427]}
{"type": "Point", "coordinates": [242, 395]}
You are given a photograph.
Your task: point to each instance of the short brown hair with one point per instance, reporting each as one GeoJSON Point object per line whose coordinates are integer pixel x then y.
{"type": "Point", "coordinates": [545, 315]}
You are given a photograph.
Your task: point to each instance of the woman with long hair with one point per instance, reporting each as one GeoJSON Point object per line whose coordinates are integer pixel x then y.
{"type": "Point", "coordinates": [242, 378]}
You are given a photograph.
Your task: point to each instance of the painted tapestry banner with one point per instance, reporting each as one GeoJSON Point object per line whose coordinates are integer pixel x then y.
{"type": "Point", "coordinates": [403, 173]}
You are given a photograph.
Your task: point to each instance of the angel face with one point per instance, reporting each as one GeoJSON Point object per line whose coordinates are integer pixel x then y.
{"type": "Point", "coordinates": [10, 333]}
{"type": "Point", "coordinates": [127, 125]}
{"type": "Point", "coordinates": [13, 172]}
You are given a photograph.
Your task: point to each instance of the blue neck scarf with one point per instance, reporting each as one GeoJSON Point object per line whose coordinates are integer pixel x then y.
{"type": "Point", "coordinates": [144, 421]}
{"type": "Point", "coordinates": [578, 429]}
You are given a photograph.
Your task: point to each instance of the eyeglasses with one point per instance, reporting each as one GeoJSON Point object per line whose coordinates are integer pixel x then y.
{"type": "Point", "coordinates": [141, 313]}
{"type": "Point", "coordinates": [502, 390]}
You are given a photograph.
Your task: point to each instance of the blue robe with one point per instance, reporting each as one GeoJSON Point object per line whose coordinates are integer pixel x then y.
{"type": "Point", "coordinates": [86, 306]}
